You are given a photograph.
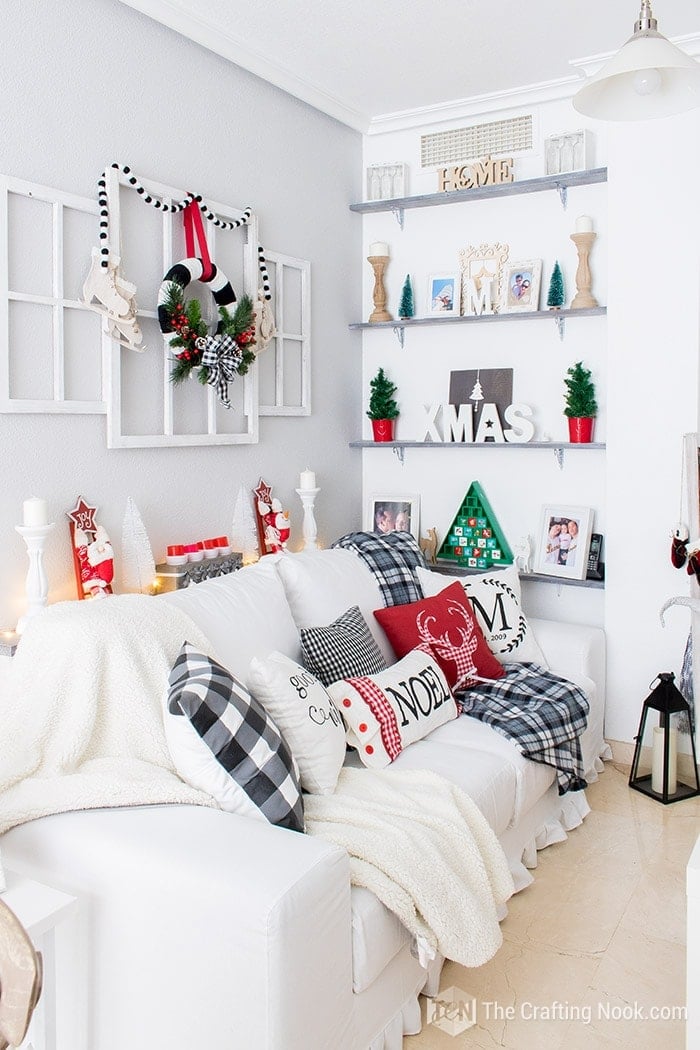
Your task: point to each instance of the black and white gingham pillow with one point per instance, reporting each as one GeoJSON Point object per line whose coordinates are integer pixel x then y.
{"type": "Point", "coordinates": [242, 738]}
{"type": "Point", "coordinates": [344, 649]}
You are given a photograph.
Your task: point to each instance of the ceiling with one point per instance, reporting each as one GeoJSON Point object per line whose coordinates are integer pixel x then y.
{"type": "Point", "coordinates": [363, 60]}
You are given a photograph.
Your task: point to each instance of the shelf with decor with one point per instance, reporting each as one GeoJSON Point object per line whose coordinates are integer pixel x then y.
{"type": "Point", "coordinates": [451, 569]}
{"type": "Point", "coordinates": [400, 326]}
{"type": "Point", "coordinates": [557, 447]}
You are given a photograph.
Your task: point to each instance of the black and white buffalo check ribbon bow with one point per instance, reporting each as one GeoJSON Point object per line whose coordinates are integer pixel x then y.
{"type": "Point", "coordinates": [221, 357]}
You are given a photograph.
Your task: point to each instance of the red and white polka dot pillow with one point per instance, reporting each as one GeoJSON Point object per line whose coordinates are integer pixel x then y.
{"type": "Point", "coordinates": [386, 712]}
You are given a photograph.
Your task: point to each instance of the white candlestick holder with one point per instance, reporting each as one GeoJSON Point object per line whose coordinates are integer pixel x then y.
{"type": "Point", "coordinates": [37, 584]}
{"type": "Point", "coordinates": [308, 498]}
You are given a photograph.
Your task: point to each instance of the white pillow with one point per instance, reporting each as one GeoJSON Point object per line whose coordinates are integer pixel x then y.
{"type": "Point", "coordinates": [495, 598]}
{"type": "Point", "coordinates": [321, 585]}
{"type": "Point", "coordinates": [386, 712]}
{"type": "Point", "coordinates": [307, 717]}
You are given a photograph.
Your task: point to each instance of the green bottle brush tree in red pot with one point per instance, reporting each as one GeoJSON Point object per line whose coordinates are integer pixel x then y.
{"type": "Point", "coordinates": [383, 409]}
{"type": "Point", "coordinates": [580, 403]}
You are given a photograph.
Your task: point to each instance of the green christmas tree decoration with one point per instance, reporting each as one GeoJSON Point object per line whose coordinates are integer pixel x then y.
{"type": "Point", "coordinates": [580, 402]}
{"type": "Point", "coordinates": [381, 401]}
{"type": "Point", "coordinates": [555, 296]}
{"type": "Point", "coordinates": [406, 308]}
{"type": "Point", "coordinates": [475, 539]}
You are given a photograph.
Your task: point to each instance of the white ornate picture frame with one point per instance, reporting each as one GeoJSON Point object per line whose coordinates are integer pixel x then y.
{"type": "Point", "coordinates": [521, 287]}
{"type": "Point", "coordinates": [481, 263]}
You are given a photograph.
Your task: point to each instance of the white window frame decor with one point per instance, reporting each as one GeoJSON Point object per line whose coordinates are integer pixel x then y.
{"type": "Point", "coordinates": [116, 183]}
{"type": "Point", "coordinates": [279, 263]}
{"type": "Point", "coordinates": [57, 301]}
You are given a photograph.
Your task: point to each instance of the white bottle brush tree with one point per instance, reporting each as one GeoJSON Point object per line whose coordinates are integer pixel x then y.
{"type": "Point", "coordinates": [138, 564]}
{"type": "Point", "coordinates": [244, 532]}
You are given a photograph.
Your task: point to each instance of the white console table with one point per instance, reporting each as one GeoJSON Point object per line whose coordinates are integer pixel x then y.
{"type": "Point", "coordinates": [693, 949]}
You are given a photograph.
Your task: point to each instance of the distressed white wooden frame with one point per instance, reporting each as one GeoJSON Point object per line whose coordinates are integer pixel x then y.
{"type": "Point", "coordinates": [59, 201]}
{"type": "Point", "coordinates": [279, 263]}
{"type": "Point", "coordinates": [116, 438]}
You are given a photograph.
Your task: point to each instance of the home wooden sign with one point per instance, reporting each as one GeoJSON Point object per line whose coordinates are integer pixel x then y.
{"type": "Point", "coordinates": [484, 172]}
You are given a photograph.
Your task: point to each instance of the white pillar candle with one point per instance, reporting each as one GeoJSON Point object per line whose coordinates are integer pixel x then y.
{"type": "Point", "coordinates": [307, 479]}
{"type": "Point", "coordinates": [35, 512]}
{"type": "Point", "coordinates": [657, 761]}
{"type": "Point", "coordinates": [584, 224]}
{"type": "Point", "coordinates": [379, 248]}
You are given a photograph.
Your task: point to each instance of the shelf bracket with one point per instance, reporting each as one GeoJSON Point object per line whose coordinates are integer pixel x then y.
{"type": "Point", "coordinates": [559, 456]}
{"type": "Point", "coordinates": [561, 190]}
{"type": "Point", "coordinates": [398, 214]}
{"type": "Point", "coordinates": [399, 453]}
{"type": "Point", "coordinates": [560, 322]}
{"type": "Point", "coordinates": [400, 333]}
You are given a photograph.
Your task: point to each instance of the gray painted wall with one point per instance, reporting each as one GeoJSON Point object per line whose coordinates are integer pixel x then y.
{"type": "Point", "coordinates": [88, 82]}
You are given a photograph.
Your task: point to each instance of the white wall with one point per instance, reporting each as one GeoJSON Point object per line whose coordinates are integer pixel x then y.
{"type": "Point", "coordinates": [644, 358]}
{"type": "Point", "coordinates": [88, 82]}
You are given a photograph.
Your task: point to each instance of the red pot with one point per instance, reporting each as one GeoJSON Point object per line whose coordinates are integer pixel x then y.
{"type": "Point", "coordinates": [383, 429]}
{"type": "Point", "coordinates": [580, 430]}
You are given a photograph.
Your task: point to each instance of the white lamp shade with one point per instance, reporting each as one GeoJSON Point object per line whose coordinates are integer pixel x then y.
{"type": "Point", "coordinates": [621, 91]}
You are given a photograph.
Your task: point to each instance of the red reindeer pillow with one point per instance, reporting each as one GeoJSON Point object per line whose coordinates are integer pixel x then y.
{"type": "Point", "coordinates": [447, 624]}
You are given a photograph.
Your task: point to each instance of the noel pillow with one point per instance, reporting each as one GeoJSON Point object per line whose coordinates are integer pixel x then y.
{"type": "Point", "coordinates": [496, 601]}
{"type": "Point", "coordinates": [388, 711]}
{"type": "Point", "coordinates": [309, 720]}
{"type": "Point", "coordinates": [447, 624]}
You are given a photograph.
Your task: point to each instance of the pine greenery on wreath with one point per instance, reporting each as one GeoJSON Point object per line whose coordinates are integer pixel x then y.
{"type": "Point", "coordinates": [192, 332]}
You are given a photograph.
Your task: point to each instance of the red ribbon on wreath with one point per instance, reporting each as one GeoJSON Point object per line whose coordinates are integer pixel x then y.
{"type": "Point", "coordinates": [194, 231]}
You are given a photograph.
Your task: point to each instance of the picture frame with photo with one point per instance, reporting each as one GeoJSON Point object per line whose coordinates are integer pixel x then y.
{"type": "Point", "coordinates": [520, 290]}
{"type": "Point", "coordinates": [386, 512]}
{"type": "Point", "coordinates": [564, 541]}
{"type": "Point", "coordinates": [443, 294]}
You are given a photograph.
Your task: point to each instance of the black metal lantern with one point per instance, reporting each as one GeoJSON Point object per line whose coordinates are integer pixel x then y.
{"type": "Point", "coordinates": [656, 764]}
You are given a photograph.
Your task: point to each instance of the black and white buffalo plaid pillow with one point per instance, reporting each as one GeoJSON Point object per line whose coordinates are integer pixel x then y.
{"type": "Point", "coordinates": [343, 649]}
{"type": "Point", "coordinates": [241, 738]}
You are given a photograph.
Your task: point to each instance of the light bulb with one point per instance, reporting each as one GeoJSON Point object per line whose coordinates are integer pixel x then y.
{"type": "Point", "coordinates": [647, 81]}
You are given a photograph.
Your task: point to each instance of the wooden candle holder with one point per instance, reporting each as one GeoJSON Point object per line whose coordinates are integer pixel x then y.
{"type": "Point", "coordinates": [380, 312]}
{"type": "Point", "coordinates": [583, 297]}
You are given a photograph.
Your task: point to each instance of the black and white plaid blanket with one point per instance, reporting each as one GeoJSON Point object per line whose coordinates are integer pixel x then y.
{"type": "Point", "coordinates": [543, 714]}
{"type": "Point", "coordinates": [393, 558]}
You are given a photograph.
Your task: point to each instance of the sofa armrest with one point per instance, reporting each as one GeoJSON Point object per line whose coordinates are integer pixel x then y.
{"type": "Point", "coordinates": [206, 928]}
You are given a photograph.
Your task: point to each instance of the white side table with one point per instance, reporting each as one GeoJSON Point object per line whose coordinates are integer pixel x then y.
{"type": "Point", "coordinates": [41, 909]}
{"type": "Point", "coordinates": [692, 1027]}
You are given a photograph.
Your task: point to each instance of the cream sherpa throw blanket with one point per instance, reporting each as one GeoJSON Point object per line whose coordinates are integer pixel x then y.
{"type": "Point", "coordinates": [424, 848]}
{"type": "Point", "coordinates": [81, 724]}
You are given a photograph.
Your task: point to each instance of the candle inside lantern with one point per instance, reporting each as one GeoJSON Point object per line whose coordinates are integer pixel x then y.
{"type": "Point", "coordinates": [35, 512]}
{"type": "Point", "coordinates": [379, 248]}
{"type": "Point", "coordinates": [307, 479]}
{"type": "Point", "coordinates": [584, 224]}
{"type": "Point", "coordinates": [657, 761]}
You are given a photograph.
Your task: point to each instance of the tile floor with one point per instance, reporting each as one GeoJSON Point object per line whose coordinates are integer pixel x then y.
{"type": "Point", "coordinates": [600, 931]}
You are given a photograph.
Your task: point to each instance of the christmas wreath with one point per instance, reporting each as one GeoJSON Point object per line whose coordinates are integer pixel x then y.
{"type": "Point", "coordinates": [218, 358]}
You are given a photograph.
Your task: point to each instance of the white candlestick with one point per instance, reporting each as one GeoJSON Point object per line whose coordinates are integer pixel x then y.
{"type": "Point", "coordinates": [308, 498]}
{"type": "Point", "coordinates": [35, 512]}
{"type": "Point", "coordinates": [307, 479]}
{"type": "Point", "coordinates": [657, 761]}
{"type": "Point", "coordinates": [584, 224]}
{"type": "Point", "coordinates": [379, 248]}
{"type": "Point", "coordinates": [37, 585]}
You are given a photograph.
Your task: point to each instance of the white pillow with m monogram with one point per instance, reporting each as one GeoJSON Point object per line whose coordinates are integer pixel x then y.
{"type": "Point", "coordinates": [495, 598]}
{"type": "Point", "coordinates": [306, 715]}
{"type": "Point", "coordinates": [386, 712]}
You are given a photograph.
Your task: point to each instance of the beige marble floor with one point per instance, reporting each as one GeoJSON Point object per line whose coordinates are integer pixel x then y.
{"type": "Point", "coordinates": [599, 935]}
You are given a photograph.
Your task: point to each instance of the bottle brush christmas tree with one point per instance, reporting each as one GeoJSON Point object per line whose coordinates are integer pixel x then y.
{"type": "Point", "coordinates": [580, 402]}
{"type": "Point", "coordinates": [381, 400]}
{"type": "Point", "coordinates": [555, 297]}
{"type": "Point", "coordinates": [406, 308]}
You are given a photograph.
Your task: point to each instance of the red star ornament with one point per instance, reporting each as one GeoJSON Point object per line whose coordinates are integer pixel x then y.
{"type": "Point", "coordinates": [264, 492]}
{"type": "Point", "coordinates": [83, 515]}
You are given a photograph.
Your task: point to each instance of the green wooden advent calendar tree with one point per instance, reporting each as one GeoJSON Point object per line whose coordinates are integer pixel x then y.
{"type": "Point", "coordinates": [475, 538]}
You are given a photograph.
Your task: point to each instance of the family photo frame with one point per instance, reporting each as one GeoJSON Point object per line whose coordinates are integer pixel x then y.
{"type": "Point", "coordinates": [564, 541]}
{"type": "Point", "coordinates": [443, 294]}
{"type": "Point", "coordinates": [390, 513]}
{"type": "Point", "coordinates": [520, 290]}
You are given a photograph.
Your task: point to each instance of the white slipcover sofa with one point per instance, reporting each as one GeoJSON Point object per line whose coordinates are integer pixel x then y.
{"type": "Point", "coordinates": [202, 928]}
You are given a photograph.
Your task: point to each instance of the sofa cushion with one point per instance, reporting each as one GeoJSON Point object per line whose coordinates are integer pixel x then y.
{"type": "Point", "coordinates": [446, 623]}
{"type": "Point", "coordinates": [244, 614]}
{"type": "Point", "coordinates": [377, 936]}
{"type": "Point", "coordinates": [320, 585]}
{"type": "Point", "coordinates": [223, 742]}
{"type": "Point", "coordinates": [388, 711]}
{"type": "Point", "coordinates": [342, 649]}
{"type": "Point", "coordinates": [309, 720]}
{"type": "Point", "coordinates": [496, 600]}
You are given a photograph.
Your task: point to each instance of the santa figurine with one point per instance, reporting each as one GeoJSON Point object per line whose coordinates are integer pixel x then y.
{"type": "Point", "coordinates": [96, 561]}
{"type": "Point", "coordinates": [276, 525]}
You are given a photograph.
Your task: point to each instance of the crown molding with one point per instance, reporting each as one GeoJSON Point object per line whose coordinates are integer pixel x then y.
{"type": "Point", "coordinates": [238, 50]}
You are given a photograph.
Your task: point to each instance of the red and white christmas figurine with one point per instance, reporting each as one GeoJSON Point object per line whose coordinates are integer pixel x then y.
{"type": "Point", "coordinates": [93, 556]}
{"type": "Point", "coordinates": [272, 520]}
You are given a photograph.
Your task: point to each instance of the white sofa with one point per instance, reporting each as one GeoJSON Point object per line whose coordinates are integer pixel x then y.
{"type": "Point", "coordinates": [206, 929]}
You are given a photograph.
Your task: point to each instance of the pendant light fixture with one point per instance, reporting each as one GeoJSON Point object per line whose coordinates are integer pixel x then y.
{"type": "Point", "coordinates": [649, 77]}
